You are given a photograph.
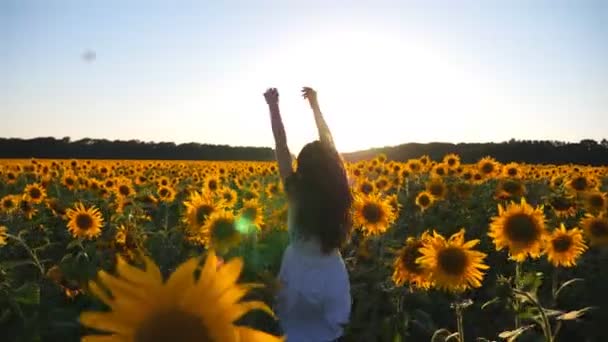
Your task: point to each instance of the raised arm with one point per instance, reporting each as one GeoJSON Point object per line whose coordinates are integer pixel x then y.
{"type": "Point", "coordinates": [281, 150]}
{"type": "Point", "coordinates": [324, 133]}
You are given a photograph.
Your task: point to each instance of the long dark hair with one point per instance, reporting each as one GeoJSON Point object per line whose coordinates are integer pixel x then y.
{"type": "Point", "coordinates": [320, 196]}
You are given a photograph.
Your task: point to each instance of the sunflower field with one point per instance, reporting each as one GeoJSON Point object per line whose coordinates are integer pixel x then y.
{"type": "Point", "coordinates": [126, 250]}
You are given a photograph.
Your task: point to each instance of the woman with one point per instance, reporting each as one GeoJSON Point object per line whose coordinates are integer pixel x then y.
{"type": "Point", "coordinates": [314, 302]}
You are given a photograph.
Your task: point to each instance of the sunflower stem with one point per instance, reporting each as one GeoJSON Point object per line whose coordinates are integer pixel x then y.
{"type": "Point", "coordinates": [546, 324]}
{"type": "Point", "coordinates": [516, 303]}
{"type": "Point", "coordinates": [459, 322]}
{"type": "Point", "coordinates": [555, 285]}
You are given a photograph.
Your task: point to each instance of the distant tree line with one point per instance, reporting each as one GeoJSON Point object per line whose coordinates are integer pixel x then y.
{"type": "Point", "coordinates": [586, 152]}
{"type": "Point", "coordinates": [130, 149]}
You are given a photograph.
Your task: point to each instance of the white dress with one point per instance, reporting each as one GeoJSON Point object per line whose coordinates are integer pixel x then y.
{"type": "Point", "coordinates": [314, 302]}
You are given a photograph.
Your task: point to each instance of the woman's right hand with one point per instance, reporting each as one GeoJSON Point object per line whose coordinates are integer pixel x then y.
{"type": "Point", "coordinates": [272, 96]}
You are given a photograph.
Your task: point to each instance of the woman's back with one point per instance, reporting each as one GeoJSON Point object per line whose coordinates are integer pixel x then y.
{"type": "Point", "coordinates": [314, 302]}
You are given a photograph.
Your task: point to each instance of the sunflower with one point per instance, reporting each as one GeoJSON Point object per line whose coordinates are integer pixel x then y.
{"type": "Point", "coordinates": [84, 222]}
{"type": "Point", "coordinates": [452, 161]}
{"type": "Point", "coordinates": [424, 200]}
{"type": "Point", "coordinates": [166, 194]}
{"type": "Point", "coordinates": [184, 308]}
{"type": "Point", "coordinates": [596, 229]}
{"type": "Point", "coordinates": [439, 170]}
{"type": "Point", "coordinates": [563, 246]}
{"type": "Point", "coordinates": [272, 189]}
{"type": "Point", "coordinates": [198, 209]}
{"type": "Point", "coordinates": [581, 183]}
{"type": "Point", "coordinates": [3, 235]}
{"type": "Point", "coordinates": [163, 181]}
{"type": "Point", "coordinates": [415, 165]}
{"type": "Point", "coordinates": [9, 203]}
{"type": "Point", "coordinates": [510, 188]}
{"type": "Point", "coordinates": [373, 214]}
{"type": "Point", "coordinates": [26, 208]}
{"type": "Point", "coordinates": [512, 170]}
{"type": "Point", "coordinates": [229, 196]}
{"type": "Point", "coordinates": [220, 231]}
{"type": "Point", "coordinates": [69, 181]}
{"type": "Point", "coordinates": [563, 206]}
{"type": "Point", "coordinates": [436, 187]}
{"type": "Point", "coordinates": [405, 267]}
{"type": "Point", "coordinates": [365, 186]}
{"type": "Point", "coordinates": [488, 167]}
{"type": "Point", "coordinates": [520, 228]}
{"type": "Point", "coordinates": [212, 183]}
{"type": "Point", "coordinates": [452, 264]}
{"type": "Point", "coordinates": [595, 201]}
{"type": "Point", "coordinates": [35, 193]}
{"type": "Point", "coordinates": [252, 213]}
{"type": "Point", "coordinates": [124, 188]}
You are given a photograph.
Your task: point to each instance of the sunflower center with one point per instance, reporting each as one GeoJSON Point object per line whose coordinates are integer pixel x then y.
{"type": "Point", "coordinates": [596, 201]}
{"type": "Point", "coordinates": [561, 203]}
{"type": "Point", "coordinates": [452, 261]}
{"type": "Point", "coordinates": [69, 181]}
{"type": "Point", "coordinates": [424, 200]}
{"type": "Point", "coordinates": [228, 196]}
{"type": "Point", "coordinates": [8, 203]}
{"type": "Point", "coordinates": [440, 171]}
{"type": "Point", "coordinates": [512, 187]}
{"type": "Point", "coordinates": [124, 190]}
{"type": "Point", "coordinates": [451, 161]}
{"type": "Point", "coordinates": [372, 213]}
{"type": "Point", "coordinates": [35, 193]}
{"type": "Point", "coordinates": [172, 325]}
{"type": "Point", "coordinates": [579, 183]}
{"type": "Point", "coordinates": [212, 185]}
{"type": "Point", "coordinates": [436, 190]}
{"type": "Point", "coordinates": [521, 228]}
{"type": "Point", "coordinates": [84, 221]}
{"type": "Point", "coordinates": [409, 256]}
{"type": "Point", "coordinates": [562, 243]}
{"type": "Point", "coordinates": [163, 192]}
{"type": "Point", "coordinates": [599, 228]}
{"type": "Point", "coordinates": [366, 188]}
{"type": "Point", "coordinates": [512, 172]}
{"type": "Point", "coordinates": [202, 213]}
{"type": "Point", "coordinates": [487, 168]}
{"type": "Point", "coordinates": [223, 229]}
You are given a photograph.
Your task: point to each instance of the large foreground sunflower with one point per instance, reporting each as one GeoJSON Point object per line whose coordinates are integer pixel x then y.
{"type": "Point", "coordinates": [520, 228]}
{"type": "Point", "coordinates": [373, 214]}
{"type": "Point", "coordinates": [563, 246]}
{"type": "Point", "coordinates": [596, 229]}
{"type": "Point", "coordinates": [184, 308]}
{"type": "Point", "coordinates": [84, 222]}
{"type": "Point", "coordinates": [407, 269]}
{"type": "Point", "coordinates": [452, 264]}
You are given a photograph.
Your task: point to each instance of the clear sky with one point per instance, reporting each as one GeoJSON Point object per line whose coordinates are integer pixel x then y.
{"type": "Point", "coordinates": [387, 72]}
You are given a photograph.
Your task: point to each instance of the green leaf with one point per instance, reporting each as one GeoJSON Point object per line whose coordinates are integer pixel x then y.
{"type": "Point", "coordinates": [566, 284]}
{"type": "Point", "coordinates": [28, 294]}
{"type": "Point", "coordinates": [16, 263]}
{"type": "Point", "coordinates": [440, 335]}
{"type": "Point", "coordinates": [74, 243]}
{"type": "Point", "coordinates": [511, 335]}
{"type": "Point", "coordinates": [490, 302]}
{"type": "Point", "coordinates": [572, 315]}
